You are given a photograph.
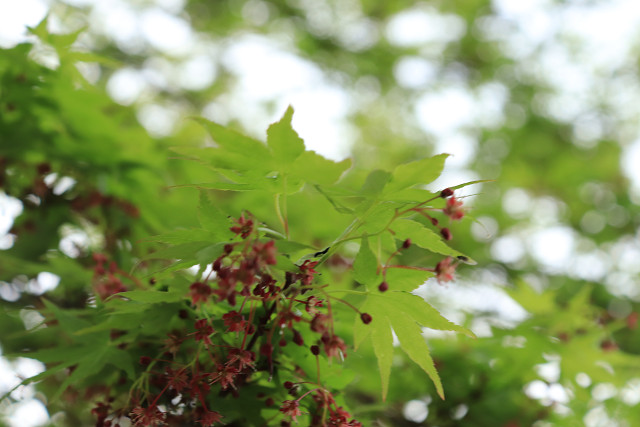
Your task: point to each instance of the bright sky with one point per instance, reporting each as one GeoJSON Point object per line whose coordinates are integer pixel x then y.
{"type": "Point", "coordinates": [267, 70]}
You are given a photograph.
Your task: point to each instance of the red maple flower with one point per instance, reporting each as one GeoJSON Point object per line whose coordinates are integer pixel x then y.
{"type": "Point", "coordinates": [291, 408]}
{"type": "Point", "coordinates": [453, 209]}
{"type": "Point", "coordinates": [147, 417]}
{"type": "Point", "coordinates": [178, 380]}
{"type": "Point", "coordinates": [306, 277]}
{"type": "Point", "coordinates": [312, 303]}
{"type": "Point", "coordinates": [445, 270]}
{"type": "Point", "coordinates": [340, 418]}
{"type": "Point", "coordinates": [265, 252]}
{"type": "Point", "coordinates": [101, 410]}
{"type": "Point", "coordinates": [208, 418]}
{"type": "Point", "coordinates": [199, 292]}
{"type": "Point", "coordinates": [110, 286]}
{"type": "Point", "coordinates": [203, 330]}
{"type": "Point", "coordinates": [286, 319]}
{"type": "Point", "coordinates": [320, 323]}
{"type": "Point", "coordinates": [226, 375]}
{"type": "Point", "coordinates": [173, 342]}
{"type": "Point", "coordinates": [244, 227]}
{"type": "Point", "coordinates": [243, 358]}
{"type": "Point", "coordinates": [335, 346]}
{"type": "Point", "coordinates": [234, 321]}
{"type": "Point", "coordinates": [198, 385]}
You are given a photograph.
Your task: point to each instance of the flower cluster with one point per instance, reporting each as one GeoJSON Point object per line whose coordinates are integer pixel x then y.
{"type": "Point", "coordinates": [105, 280]}
{"type": "Point", "coordinates": [241, 316]}
{"type": "Point", "coordinates": [323, 404]}
{"type": "Point", "coordinates": [445, 269]}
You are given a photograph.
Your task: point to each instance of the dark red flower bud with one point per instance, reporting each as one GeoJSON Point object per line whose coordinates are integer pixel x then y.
{"type": "Point", "coordinates": [632, 320]}
{"type": "Point", "coordinates": [183, 314]}
{"type": "Point", "coordinates": [446, 193]}
{"type": "Point", "coordinates": [232, 299]}
{"type": "Point", "coordinates": [406, 244]}
{"type": "Point", "coordinates": [446, 234]}
{"type": "Point", "coordinates": [145, 360]}
{"type": "Point", "coordinates": [99, 258]}
{"type": "Point", "coordinates": [315, 350]}
{"type": "Point", "coordinates": [288, 385]}
{"type": "Point", "coordinates": [297, 338]}
{"type": "Point", "coordinates": [383, 287]}
{"type": "Point", "coordinates": [266, 349]}
{"type": "Point", "coordinates": [434, 221]}
{"type": "Point", "coordinates": [269, 402]}
{"type": "Point", "coordinates": [366, 318]}
{"type": "Point", "coordinates": [282, 342]}
{"type": "Point", "coordinates": [44, 168]}
{"type": "Point", "coordinates": [153, 281]}
{"type": "Point", "coordinates": [608, 345]}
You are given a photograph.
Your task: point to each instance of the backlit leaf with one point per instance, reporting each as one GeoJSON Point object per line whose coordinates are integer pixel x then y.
{"type": "Point", "coordinates": [284, 141]}
{"type": "Point", "coordinates": [422, 236]}
{"type": "Point", "coordinates": [365, 266]}
{"type": "Point", "coordinates": [406, 313]}
{"type": "Point", "coordinates": [213, 219]}
{"type": "Point", "coordinates": [421, 171]}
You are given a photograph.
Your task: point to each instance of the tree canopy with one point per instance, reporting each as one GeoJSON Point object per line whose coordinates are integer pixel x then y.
{"type": "Point", "coordinates": [335, 212]}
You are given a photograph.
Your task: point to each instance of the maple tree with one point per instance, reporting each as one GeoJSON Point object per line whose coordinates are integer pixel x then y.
{"type": "Point", "coordinates": [262, 275]}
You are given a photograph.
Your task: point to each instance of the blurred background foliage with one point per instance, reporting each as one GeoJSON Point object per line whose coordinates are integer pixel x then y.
{"type": "Point", "coordinates": [540, 95]}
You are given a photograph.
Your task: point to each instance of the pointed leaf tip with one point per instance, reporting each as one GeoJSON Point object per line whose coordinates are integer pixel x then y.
{"type": "Point", "coordinates": [285, 143]}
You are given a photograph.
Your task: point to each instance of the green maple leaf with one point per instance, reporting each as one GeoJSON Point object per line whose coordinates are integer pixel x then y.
{"type": "Point", "coordinates": [423, 171]}
{"type": "Point", "coordinates": [405, 314]}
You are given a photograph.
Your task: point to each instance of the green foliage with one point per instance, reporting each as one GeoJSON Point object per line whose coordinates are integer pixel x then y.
{"type": "Point", "coordinates": [405, 313]}
{"type": "Point", "coordinates": [122, 319]}
{"type": "Point", "coordinates": [156, 222]}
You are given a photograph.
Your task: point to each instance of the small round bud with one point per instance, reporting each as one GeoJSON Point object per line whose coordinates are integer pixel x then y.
{"type": "Point", "coordinates": [266, 349]}
{"type": "Point", "coordinates": [44, 168]}
{"type": "Point", "coordinates": [183, 314]}
{"type": "Point", "coordinates": [366, 318]}
{"type": "Point", "coordinates": [608, 345]}
{"type": "Point", "coordinates": [145, 360]}
{"type": "Point", "coordinates": [99, 258]}
{"type": "Point", "coordinates": [153, 281]}
{"type": "Point", "coordinates": [383, 287]}
{"type": "Point", "coordinates": [446, 234]}
{"type": "Point", "coordinates": [269, 402]}
{"type": "Point", "coordinates": [406, 244]}
{"type": "Point", "coordinates": [282, 342]}
{"type": "Point", "coordinates": [297, 338]}
{"type": "Point", "coordinates": [288, 385]}
{"type": "Point", "coordinates": [315, 350]}
{"type": "Point", "coordinates": [447, 192]}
